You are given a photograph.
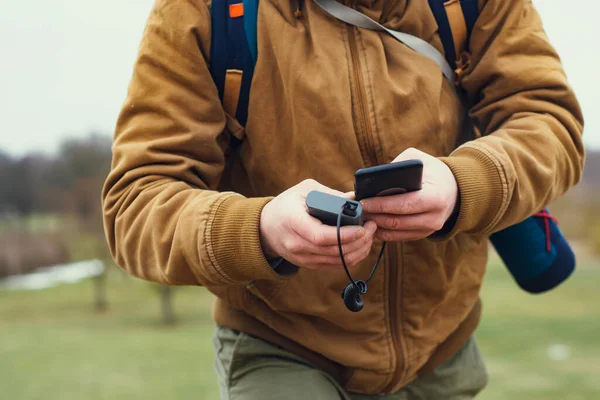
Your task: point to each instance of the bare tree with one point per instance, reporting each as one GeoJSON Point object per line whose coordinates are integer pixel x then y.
{"type": "Point", "coordinates": [166, 305]}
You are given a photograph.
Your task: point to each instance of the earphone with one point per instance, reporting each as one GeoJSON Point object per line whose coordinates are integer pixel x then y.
{"type": "Point", "coordinates": [352, 293]}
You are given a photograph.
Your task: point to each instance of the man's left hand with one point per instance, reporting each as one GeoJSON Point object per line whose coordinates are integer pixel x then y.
{"type": "Point", "coordinates": [415, 215]}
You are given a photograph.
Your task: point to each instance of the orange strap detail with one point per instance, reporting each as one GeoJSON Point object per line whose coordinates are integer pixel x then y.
{"type": "Point", "coordinates": [462, 65]}
{"type": "Point", "coordinates": [231, 93]}
{"type": "Point", "coordinates": [236, 10]}
{"type": "Point", "coordinates": [457, 25]}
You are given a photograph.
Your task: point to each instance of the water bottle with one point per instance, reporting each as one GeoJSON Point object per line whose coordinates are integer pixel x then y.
{"type": "Point", "coordinates": [535, 252]}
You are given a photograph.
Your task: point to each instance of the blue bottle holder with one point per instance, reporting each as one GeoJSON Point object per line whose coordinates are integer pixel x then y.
{"type": "Point", "coordinates": [535, 252]}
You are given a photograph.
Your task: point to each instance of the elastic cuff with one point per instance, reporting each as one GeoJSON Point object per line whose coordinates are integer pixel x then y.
{"type": "Point", "coordinates": [235, 239]}
{"type": "Point", "coordinates": [449, 224]}
{"type": "Point", "coordinates": [481, 187]}
{"type": "Point", "coordinates": [283, 267]}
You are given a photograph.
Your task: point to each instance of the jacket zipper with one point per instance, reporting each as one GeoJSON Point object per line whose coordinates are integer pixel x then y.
{"type": "Point", "coordinates": [362, 127]}
{"type": "Point", "coordinates": [395, 283]}
{"type": "Point", "coordinates": [364, 136]}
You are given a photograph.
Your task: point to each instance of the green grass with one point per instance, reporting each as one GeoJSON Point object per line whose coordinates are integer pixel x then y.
{"type": "Point", "coordinates": [54, 346]}
{"type": "Point", "coordinates": [518, 329]}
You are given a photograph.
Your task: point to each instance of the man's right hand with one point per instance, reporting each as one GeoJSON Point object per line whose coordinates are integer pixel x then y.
{"type": "Point", "coordinates": [288, 231]}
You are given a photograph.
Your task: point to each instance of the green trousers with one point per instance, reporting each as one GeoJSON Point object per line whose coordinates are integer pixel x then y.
{"type": "Point", "coordinates": [249, 368]}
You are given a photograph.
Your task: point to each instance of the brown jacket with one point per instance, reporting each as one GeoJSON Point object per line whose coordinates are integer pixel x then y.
{"type": "Point", "coordinates": [327, 99]}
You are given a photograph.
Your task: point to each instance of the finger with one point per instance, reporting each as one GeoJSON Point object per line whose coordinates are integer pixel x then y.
{"type": "Point", "coordinates": [349, 195]}
{"type": "Point", "coordinates": [424, 221]}
{"type": "Point", "coordinates": [299, 245]}
{"type": "Point", "coordinates": [302, 247]}
{"type": "Point", "coordinates": [313, 261]}
{"type": "Point", "coordinates": [328, 262]}
{"type": "Point", "coordinates": [355, 256]}
{"type": "Point", "coordinates": [401, 236]}
{"type": "Point", "coordinates": [298, 248]}
{"type": "Point", "coordinates": [311, 184]}
{"type": "Point", "coordinates": [370, 229]}
{"type": "Point", "coordinates": [358, 255]}
{"type": "Point", "coordinates": [401, 204]}
{"type": "Point", "coordinates": [320, 234]}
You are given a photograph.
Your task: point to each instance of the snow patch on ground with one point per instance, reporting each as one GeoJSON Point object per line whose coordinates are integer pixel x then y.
{"type": "Point", "coordinates": [52, 276]}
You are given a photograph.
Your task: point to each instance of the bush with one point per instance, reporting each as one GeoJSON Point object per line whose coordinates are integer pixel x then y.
{"type": "Point", "coordinates": [23, 252]}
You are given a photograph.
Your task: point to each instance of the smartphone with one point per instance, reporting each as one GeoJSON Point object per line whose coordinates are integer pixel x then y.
{"type": "Point", "coordinates": [388, 179]}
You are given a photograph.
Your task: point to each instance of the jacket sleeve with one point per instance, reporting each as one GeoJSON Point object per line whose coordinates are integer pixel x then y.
{"type": "Point", "coordinates": [529, 124]}
{"type": "Point", "coordinates": [163, 219]}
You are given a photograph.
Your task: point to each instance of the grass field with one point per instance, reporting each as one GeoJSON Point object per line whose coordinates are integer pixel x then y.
{"type": "Point", "coordinates": [53, 346]}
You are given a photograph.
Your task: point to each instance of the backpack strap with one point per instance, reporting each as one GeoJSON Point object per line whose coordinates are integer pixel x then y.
{"type": "Point", "coordinates": [234, 45]}
{"type": "Point", "coordinates": [455, 19]}
{"type": "Point", "coordinates": [233, 54]}
{"type": "Point", "coordinates": [356, 18]}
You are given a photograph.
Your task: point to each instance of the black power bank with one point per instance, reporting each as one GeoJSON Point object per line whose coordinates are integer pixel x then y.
{"type": "Point", "coordinates": [326, 207]}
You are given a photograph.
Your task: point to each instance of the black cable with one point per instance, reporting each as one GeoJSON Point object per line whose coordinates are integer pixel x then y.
{"type": "Point", "coordinates": [339, 238]}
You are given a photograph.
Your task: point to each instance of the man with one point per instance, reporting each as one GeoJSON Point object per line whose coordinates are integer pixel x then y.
{"type": "Point", "coordinates": [328, 98]}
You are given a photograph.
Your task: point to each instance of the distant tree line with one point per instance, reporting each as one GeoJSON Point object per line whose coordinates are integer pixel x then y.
{"type": "Point", "coordinates": [67, 184]}
{"type": "Point", "coordinates": [68, 181]}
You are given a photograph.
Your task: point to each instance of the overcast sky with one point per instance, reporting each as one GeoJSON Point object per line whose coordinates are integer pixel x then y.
{"type": "Point", "coordinates": [65, 64]}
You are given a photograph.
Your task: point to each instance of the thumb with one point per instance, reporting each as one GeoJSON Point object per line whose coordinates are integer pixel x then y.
{"type": "Point", "coordinates": [328, 190]}
{"type": "Point", "coordinates": [410, 154]}
{"type": "Point", "coordinates": [349, 195]}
